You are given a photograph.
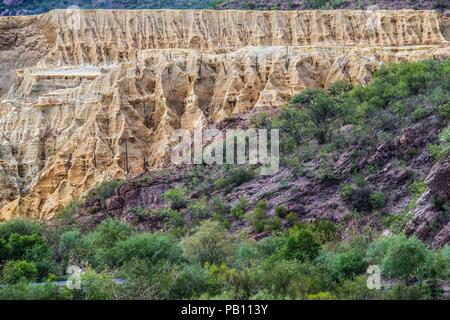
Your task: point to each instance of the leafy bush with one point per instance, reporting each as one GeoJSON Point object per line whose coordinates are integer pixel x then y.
{"type": "Point", "coordinates": [234, 178]}
{"type": "Point", "coordinates": [191, 281]}
{"type": "Point", "coordinates": [340, 87]}
{"type": "Point", "coordinates": [400, 256]}
{"type": "Point", "coordinates": [309, 113]}
{"type": "Point", "coordinates": [15, 271]}
{"type": "Point", "coordinates": [108, 233]}
{"type": "Point", "coordinates": [210, 243]}
{"type": "Point", "coordinates": [103, 190]}
{"type": "Point", "coordinates": [97, 286]}
{"type": "Point", "coordinates": [351, 263]}
{"type": "Point", "coordinates": [324, 231]}
{"type": "Point", "coordinates": [261, 121]}
{"type": "Point", "coordinates": [152, 247]}
{"type": "Point", "coordinates": [292, 219]}
{"type": "Point", "coordinates": [25, 291]}
{"type": "Point", "coordinates": [71, 248]}
{"type": "Point", "coordinates": [301, 245]}
{"type": "Point", "coordinates": [176, 198]}
{"type": "Point", "coordinates": [199, 208]}
{"type": "Point", "coordinates": [20, 227]}
{"type": "Point", "coordinates": [444, 110]}
{"type": "Point", "coordinates": [378, 200]}
{"type": "Point", "coordinates": [259, 217]}
{"type": "Point", "coordinates": [281, 211]}
{"type": "Point", "coordinates": [420, 113]}
{"type": "Point", "coordinates": [239, 210]}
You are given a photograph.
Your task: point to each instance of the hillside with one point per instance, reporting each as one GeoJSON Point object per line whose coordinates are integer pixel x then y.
{"type": "Point", "coordinates": [341, 202]}
{"type": "Point", "coordinates": [31, 7]}
{"type": "Point", "coordinates": [332, 4]}
{"type": "Point", "coordinates": [83, 106]}
{"type": "Point", "coordinates": [92, 103]}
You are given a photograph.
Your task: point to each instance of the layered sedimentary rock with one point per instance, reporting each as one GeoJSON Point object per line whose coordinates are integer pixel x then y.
{"type": "Point", "coordinates": [95, 95]}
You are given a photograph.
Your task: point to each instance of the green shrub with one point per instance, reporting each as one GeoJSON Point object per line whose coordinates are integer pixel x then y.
{"type": "Point", "coordinates": [239, 210]}
{"type": "Point", "coordinates": [309, 113]}
{"type": "Point", "coordinates": [199, 208]}
{"type": "Point", "coordinates": [108, 233]}
{"type": "Point", "coordinates": [360, 199]}
{"type": "Point", "coordinates": [420, 113]}
{"type": "Point", "coordinates": [218, 206]}
{"type": "Point", "coordinates": [26, 291]}
{"type": "Point", "coordinates": [444, 110]}
{"type": "Point", "coordinates": [20, 227]}
{"type": "Point", "coordinates": [176, 198]}
{"type": "Point", "coordinates": [259, 216]}
{"type": "Point", "coordinates": [301, 245]}
{"type": "Point", "coordinates": [97, 286]}
{"type": "Point", "coordinates": [439, 151]}
{"type": "Point", "coordinates": [281, 211]}
{"type": "Point", "coordinates": [152, 247]}
{"type": "Point", "coordinates": [400, 257]}
{"type": "Point", "coordinates": [273, 224]}
{"type": "Point", "coordinates": [292, 219]}
{"type": "Point", "coordinates": [15, 271]}
{"type": "Point", "coordinates": [351, 263]}
{"type": "Point", "coordinates": [378, 200]}
{"type": "Point", "coordinates": [261, 121]}
{"type": "Point", "coordinates": [71, 248]}
{"type": "Point", "coordinates": [146, 280]}
{"type": "Point", "coordinates": [210, 243]}
{"type": "Point", "coordinates": [190, 282]}
{"type": "Point", "coordinates": [340, 87]}
{"type": "Point", "coordinates": [321, 296]}
{"type": "Point", "coordinates": [324, 231]}
{"type": "Point", "coordinates": [234, 178]}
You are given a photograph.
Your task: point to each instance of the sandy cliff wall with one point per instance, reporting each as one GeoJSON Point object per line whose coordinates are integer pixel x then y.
{"type": "Point", "coordinates": [95, 95]}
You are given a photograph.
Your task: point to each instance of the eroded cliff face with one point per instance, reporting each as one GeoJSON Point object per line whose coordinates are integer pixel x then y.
{"type": "Point", "coordinates": [96, 95]}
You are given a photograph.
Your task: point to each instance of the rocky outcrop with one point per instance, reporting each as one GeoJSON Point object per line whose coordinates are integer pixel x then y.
{"type": "Point", "coordinates": [430, 221]}
{"type": "Point", "coordinates": [95, 95]}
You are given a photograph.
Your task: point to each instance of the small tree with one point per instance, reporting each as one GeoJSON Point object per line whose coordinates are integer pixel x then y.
{"type": "Point", "coordinates": [210, 243]}
{"type": "Point", "coordinates": [302, 245]}
{"type": "Point", "coordinates": [405, 258]}
{"type": "Point", "coordinates": [309, 113]}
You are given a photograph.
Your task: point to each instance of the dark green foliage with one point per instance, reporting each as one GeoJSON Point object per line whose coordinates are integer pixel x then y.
{"type": "Point", "coordinates": [149, 247]}
{"type": "Point", "coordinates": [400, 257]}
{"type": "Point", "coordinates": [191, 281]}
{"type": "Point", "coordinates": [176, 198]}
{"type": "Point", "coordinates": [15, 271]}
{"type": "Point", "coordinates": [234, 178]}
{"type": "Point", "coordinates": [309, 114]}
{"type": "Point", "coordinates": [37, 7]}
{"type": "Point", "coordinates": [19, 227]}
{"type": "Point", "coordinates": [25, 291]}
{"type": "Point", "coordinates": [239, 210]}
{"type": "Point", "coordinates": [302, 245]}
{"type": "Point", "coordinates": [259, 217]}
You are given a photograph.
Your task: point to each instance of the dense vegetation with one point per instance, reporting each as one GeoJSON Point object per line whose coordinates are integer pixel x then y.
{"type": "Point", "coordinates": [35, 7]}
{"type": "Point", "coordinates": [331, 4]}
{"type": "Point", "coordinates": [195, 253]}
{"type": "Point", "coordinates": [24, 7]}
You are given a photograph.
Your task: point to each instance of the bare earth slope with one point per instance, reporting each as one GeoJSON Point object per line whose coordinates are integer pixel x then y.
{"type": "Point", "coordinates": [95, 95]}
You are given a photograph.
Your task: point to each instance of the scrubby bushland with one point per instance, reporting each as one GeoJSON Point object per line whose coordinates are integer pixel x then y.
{"type": "Point", "coordinates": [203, 247]}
